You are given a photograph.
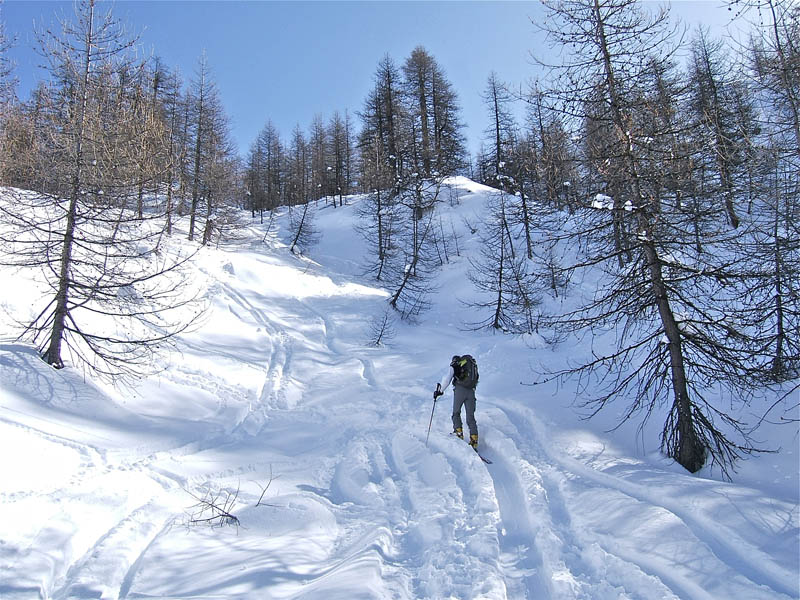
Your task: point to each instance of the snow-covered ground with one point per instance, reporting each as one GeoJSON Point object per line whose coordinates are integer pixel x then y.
{"type": "Point", "coordinates": [279, 398]}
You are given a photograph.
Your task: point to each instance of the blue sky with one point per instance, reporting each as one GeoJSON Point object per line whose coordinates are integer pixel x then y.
{"type": "Point", "coordinates": [287, 61]}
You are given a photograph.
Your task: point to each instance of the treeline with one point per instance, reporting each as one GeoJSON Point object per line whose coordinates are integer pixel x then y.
{"type": "Point", "coordinates": [146, 134]}
{"type": "Point", "coordinates": [410, 123]}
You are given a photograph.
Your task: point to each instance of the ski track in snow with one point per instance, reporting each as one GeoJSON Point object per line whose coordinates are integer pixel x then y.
{"type": "Point", "coordinates": [365, 500]}
{"type": "Point", "coordinates": [273, 390]}
{"type": "Point", "coordinates": [554, 546]}
{"type": "Point", "coordinates": [115, 536]}
{"type": "Point", "coordinates": [722, 542]}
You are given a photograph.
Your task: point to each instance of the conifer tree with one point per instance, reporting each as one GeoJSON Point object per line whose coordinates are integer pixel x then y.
{"type": "Point", "coordinates": [210, 149]}
{"type": "Point", "coordinates": [112, 303]}
{"type": "Point", "coordinates": [382, 115]}
{"type": "Point", "coordinates": [665, 297]}
{"type": "Point", "coordinates": [320, 159]}
{"type": "Point", "coordinates": [432, 107]}
{"type": "Point", "coordinates": [7, 80]}
{"type": "Point", "coordinates": [378, 212]}
{"type": "Point", "coordinates": [501, 132]}
{"type": "Point", "coordinates": [504, 275]}
{"type": "Point", "coordinates": [297, 169]}
{"type": "Point", "coordinates": [771, 247]}
{"type": "Point", "coordinates": [339, 144]}
{"type": "Point", "coordinates": [719, 103]}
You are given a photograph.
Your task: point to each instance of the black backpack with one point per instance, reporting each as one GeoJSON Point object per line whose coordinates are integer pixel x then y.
{"type": "Point", "coordinates": [465, 370]}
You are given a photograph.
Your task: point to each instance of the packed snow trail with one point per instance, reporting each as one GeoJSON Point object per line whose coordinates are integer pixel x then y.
{"type": "Point", "coordinates": [279, 400]}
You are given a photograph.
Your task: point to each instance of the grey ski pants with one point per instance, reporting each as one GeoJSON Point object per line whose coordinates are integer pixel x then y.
{"type": "Point", "coordinates": [463, 396]}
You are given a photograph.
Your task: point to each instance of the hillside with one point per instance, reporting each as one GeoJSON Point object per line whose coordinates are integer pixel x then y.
{"type": "Point", "coordinates": [279, 410]}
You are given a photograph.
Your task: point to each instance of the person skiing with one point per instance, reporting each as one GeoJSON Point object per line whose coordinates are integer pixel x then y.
{"type": "Point", "coordinates": [463, 374]}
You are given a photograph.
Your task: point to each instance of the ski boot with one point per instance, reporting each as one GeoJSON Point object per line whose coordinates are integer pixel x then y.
{"type": "Point", "coordinates": [473, 441]}
{"type": "Point", "coordinates": [459, 433]}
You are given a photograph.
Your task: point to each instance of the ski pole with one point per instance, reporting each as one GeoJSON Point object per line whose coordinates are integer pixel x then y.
{"type": "Point", "coordinates": [431, 422]}
{"type": "Point", "coordinates": [438, 389]}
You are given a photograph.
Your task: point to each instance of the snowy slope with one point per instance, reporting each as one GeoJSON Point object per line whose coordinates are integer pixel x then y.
{"type": "Point", "coordinates": [278, 397]}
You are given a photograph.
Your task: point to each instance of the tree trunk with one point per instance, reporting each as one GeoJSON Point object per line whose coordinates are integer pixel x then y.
{"type": "Point", "coordinates": [500, 277]}
{"type": "Point", "coordinates": [53, 353]}
{"type": "Point", "coordinates": [780, 338]}
{"type": "Point", "coordinates": [423, 114]}
{"type": "Point", "coordinates": [688, 450]}
{"type": "Point", "coordinates": [785, 69]}
{"type": "Point", "coordinates": [197, 157]}
{"type": "Point", "coordinates": [498, 145]}
{"type": "Point", "coordinates": [526, 220]}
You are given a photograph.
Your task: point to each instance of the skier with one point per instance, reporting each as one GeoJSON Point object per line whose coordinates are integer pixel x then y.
{"type": "Point", "coordinates": [463, 374]}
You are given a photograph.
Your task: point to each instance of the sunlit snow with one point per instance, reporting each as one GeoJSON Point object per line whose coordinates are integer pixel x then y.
{"type": "Point", "coordinates": [278, 400]}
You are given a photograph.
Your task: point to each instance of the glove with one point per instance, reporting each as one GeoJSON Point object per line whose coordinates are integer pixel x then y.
{"type": "Point", "coordinates": [438, 392]}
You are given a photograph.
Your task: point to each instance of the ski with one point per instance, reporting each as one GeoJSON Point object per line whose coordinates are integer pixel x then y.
{"type": "Point", "coordinates": [483, 458]}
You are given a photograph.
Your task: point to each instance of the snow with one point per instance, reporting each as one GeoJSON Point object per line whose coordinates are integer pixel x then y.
{"type": "Point", "coordinates": [604, 202]}
{"type": "Point", "coordinates": [278, 396]}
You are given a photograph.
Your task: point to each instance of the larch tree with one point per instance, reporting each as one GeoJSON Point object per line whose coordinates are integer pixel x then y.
{"type": "Point", "coordinates": [168, 103]}
{"type": "Point", "coordinates": [209, 148]}
{"type": "Point", "coordinates": [411, 264]}
{"type": "Point", "coordinates": [668, 301]}
{"type": "Point", "coordinates": [501, 133]}
{"type": "Point", "coordinates": [198, 119]}
{"type": "Point", "coordinates": [320, 157]}
{"type": "Point", "coordinates": [221, 182]}
{"type": "Point", "coordinates": [301, 210]}
{"type": "Point", "coordinates": [266, 168]}
{"type": "Point", "coordinates": [418, 87]}
{"type": "Point", "coordinates": [301, 227]}
{"type": "Point", "coordinates": [449, 145]}
{"type": "Point", "coordinates": [297, 169]}
{"type": "Point", "coordinates": [503, 275]}
{"type": "Point", "coordinates": [113, 303]}
{"type": "Point", "coordinates": [432, 106]}
{"type": "Point", "coordinates": [551, 161]}
{"type": "Point", "coordinates": [410, 141]}
{"type": "Point", "coordinates": [12, 131]}
{"type": "Point", "coordinates": [380, 166]}
{"type": "Point", "coordinates": [254, 180]}
{"type": "Point", "coordinates": [340, 153]}
{"type": "Point", "coordinates": [382, 117]}
{"type": "Point", "coordinates": [163, 90]}
{"type": "Point", "coordinates": [378, 212]}
{"type": "Point", "coordinates": [7, 80]}
{"type": "Point", "coordinates": [771, 294]}
{"type": "Point", "coordinates": [717, 101]}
